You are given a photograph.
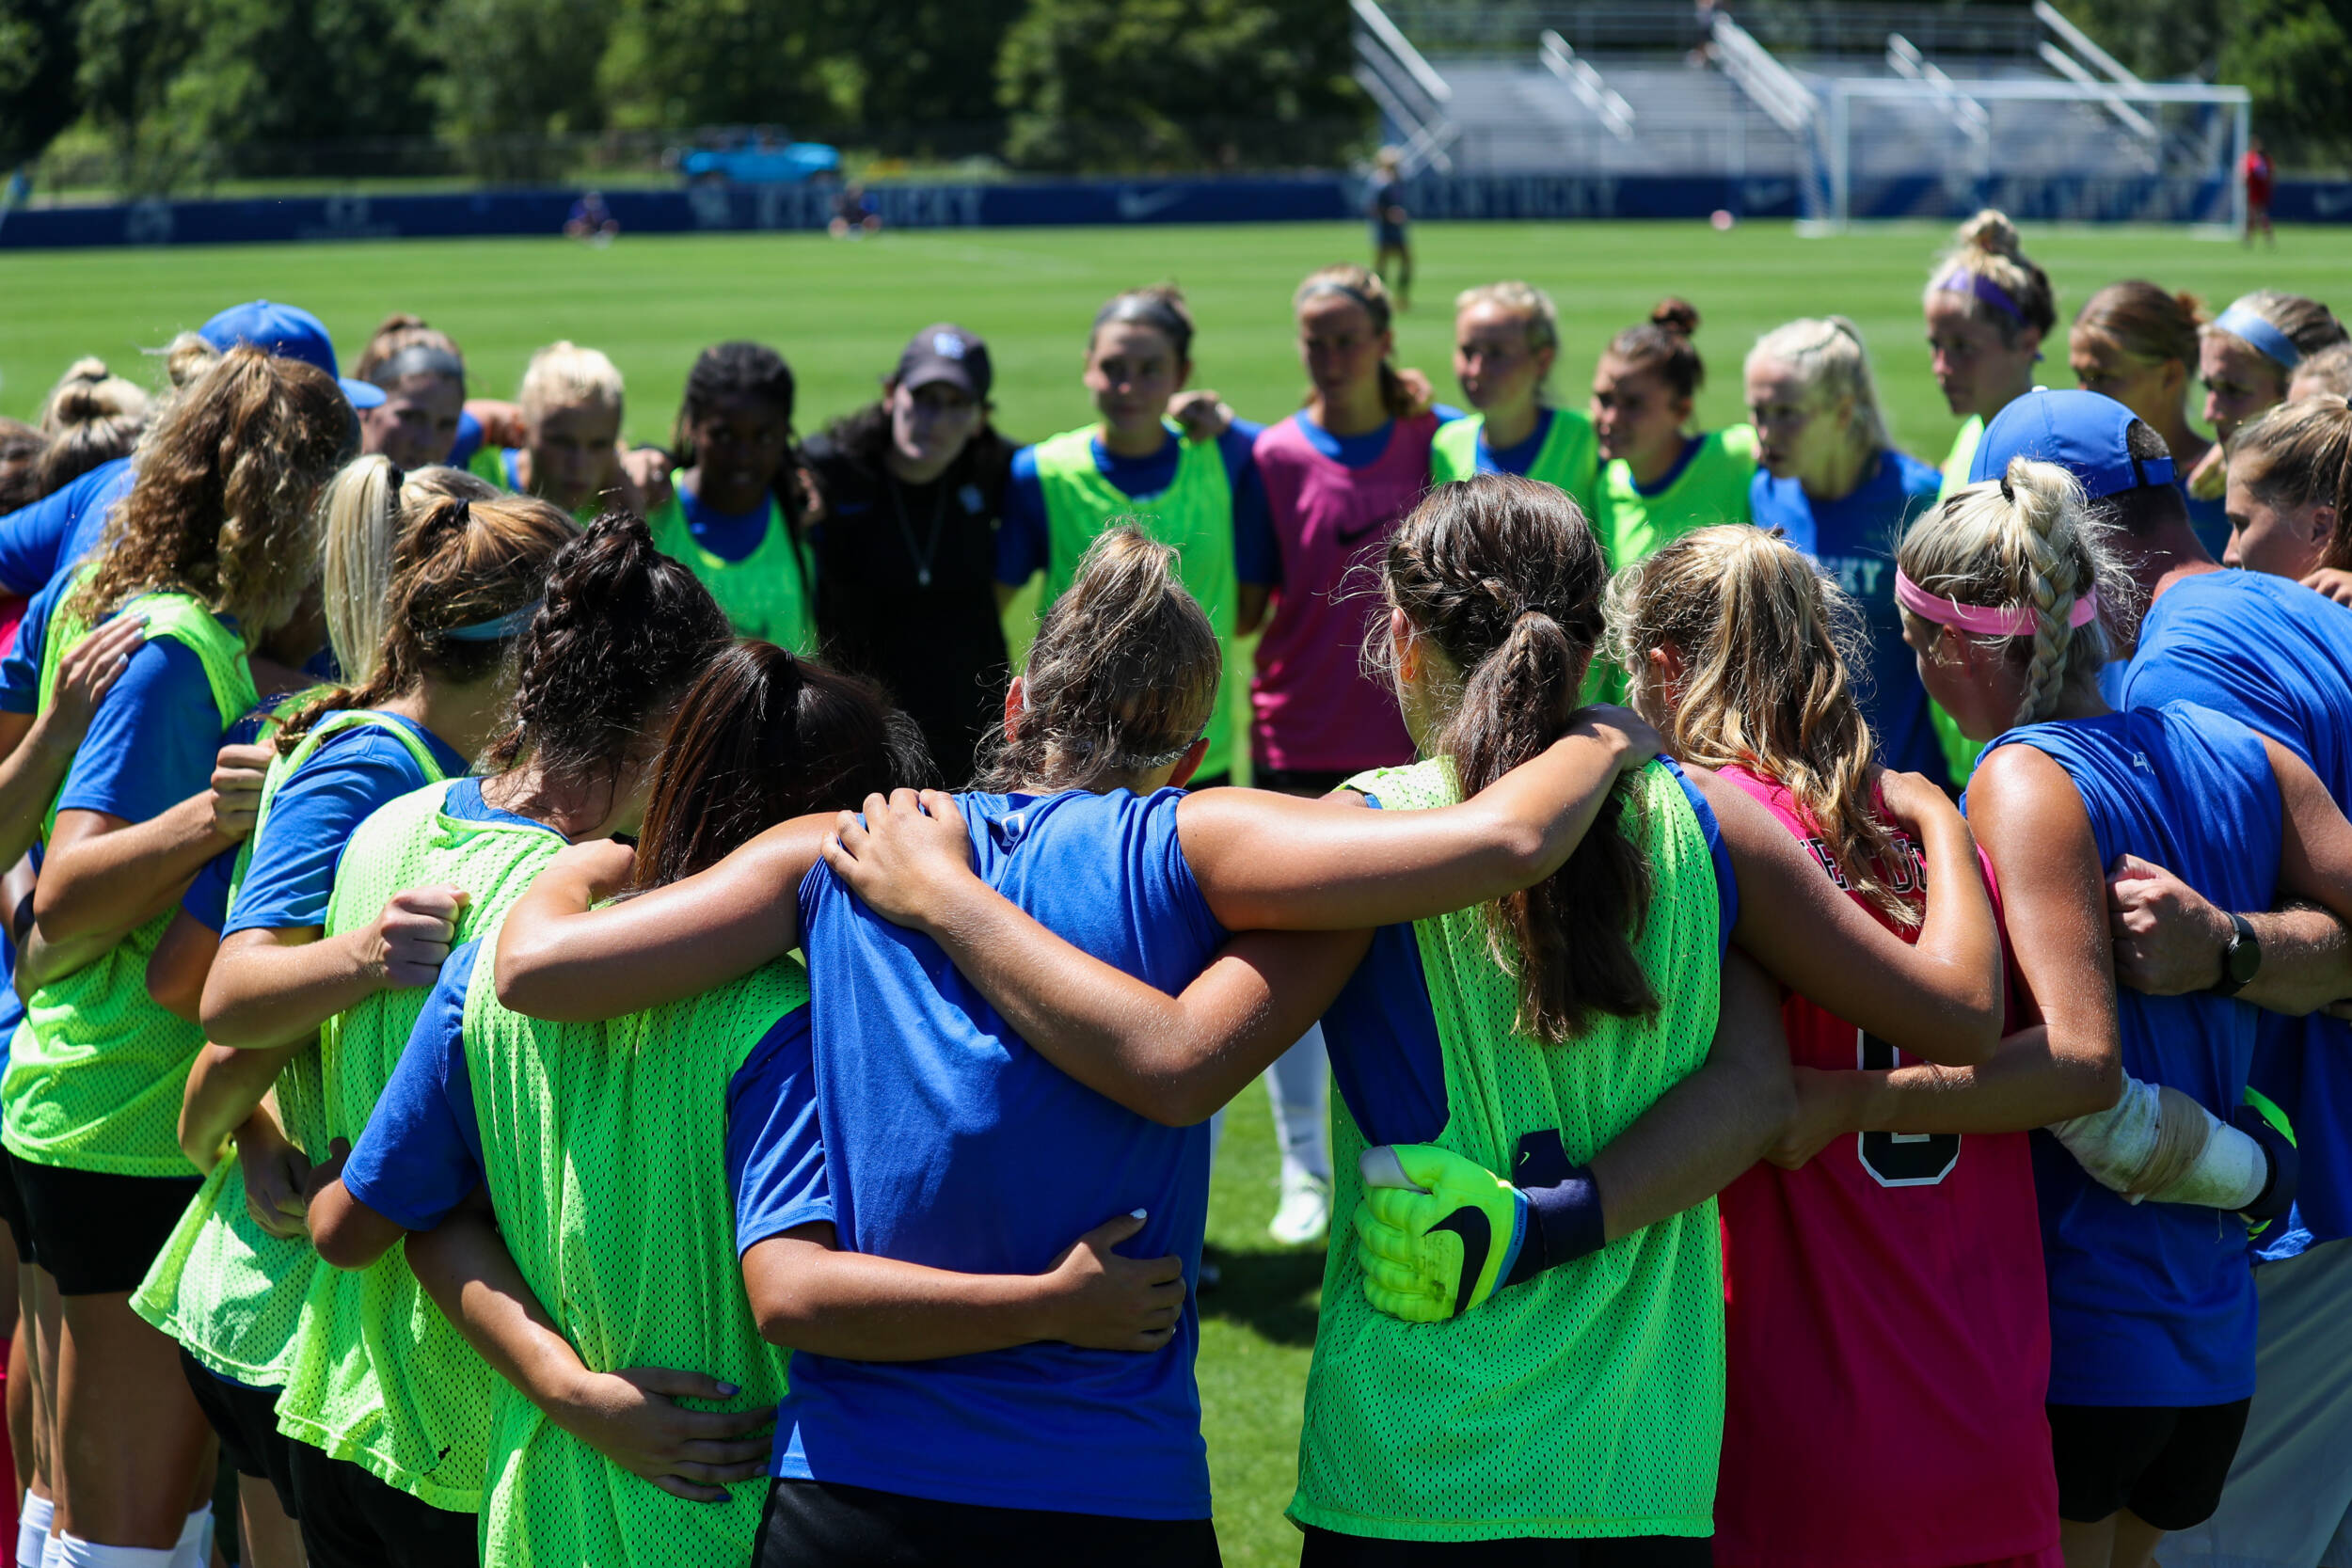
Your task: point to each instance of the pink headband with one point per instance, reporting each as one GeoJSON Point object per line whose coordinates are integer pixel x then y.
{"type": "Point", "coordinates": [1984, 620]}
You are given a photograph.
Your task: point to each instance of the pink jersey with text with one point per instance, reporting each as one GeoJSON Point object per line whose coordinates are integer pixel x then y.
{"type": "Point", "coordinates": [1312, 705]}
{"type": "Point", "coordinates": [1888, 1327]}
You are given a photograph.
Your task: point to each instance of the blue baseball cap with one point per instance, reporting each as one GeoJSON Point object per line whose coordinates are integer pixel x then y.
{"type": "Point", "coordinates": [2087, 434]}
{"type": "Point", "coordinates": [290, 332]}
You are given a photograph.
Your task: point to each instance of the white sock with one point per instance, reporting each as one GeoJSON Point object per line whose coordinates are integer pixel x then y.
{"type": "Point", "coordinates": [2157, 1141]}
{"type": "Point", "coordinates": [1299, 1083]}
{"type": "Point", "coordinates": [195, 1547]}
{"type": "Point", "coordinates": [74, 1552]}
{"type": "Point", "coordinates": [32, 1529]}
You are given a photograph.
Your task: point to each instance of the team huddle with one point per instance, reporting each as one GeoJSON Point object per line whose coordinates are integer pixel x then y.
{"type": "Point", "coordinates": [514, 1051]}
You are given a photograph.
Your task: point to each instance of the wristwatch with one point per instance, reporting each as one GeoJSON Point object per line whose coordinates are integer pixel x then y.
{"type": "Point", "coordinates": [2241, 960]}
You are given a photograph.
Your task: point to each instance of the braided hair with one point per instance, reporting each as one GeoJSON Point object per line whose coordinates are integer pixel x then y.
{"type": "Point", "coordinates": [1502, 578]}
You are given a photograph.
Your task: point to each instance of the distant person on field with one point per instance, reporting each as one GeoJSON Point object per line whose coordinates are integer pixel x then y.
{"type": "Point", "coordinates": [1390, 241]}
{"type": "Point", "coordinates": [854, 214]}
{"type": "Point", "coordinates": [592, 220]}
{"type": "Point", "coordinates": [2258, 177]}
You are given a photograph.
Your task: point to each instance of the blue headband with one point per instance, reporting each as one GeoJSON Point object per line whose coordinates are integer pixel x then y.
{"type": "Point", "coordinates": [2241, 323]}
{"type": "Point", "coordinates": [508, 625]}
{"type": "Point", "coordinates": [1962, 281]}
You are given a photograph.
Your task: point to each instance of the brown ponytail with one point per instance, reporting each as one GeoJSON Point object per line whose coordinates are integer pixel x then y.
{"type": "Point", "coordinates": [1504, 578]}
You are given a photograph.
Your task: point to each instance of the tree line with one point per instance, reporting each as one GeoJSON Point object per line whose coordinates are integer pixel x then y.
{"type": "Point", "coordinates": [170, 86]}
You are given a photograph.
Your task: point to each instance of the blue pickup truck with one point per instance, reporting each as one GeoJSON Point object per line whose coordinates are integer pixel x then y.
{"type": "Point", "coordinates": [766, 156]}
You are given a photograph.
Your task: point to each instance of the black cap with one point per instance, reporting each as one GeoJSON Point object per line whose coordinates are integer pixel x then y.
{"type": "Point", "coordinates": [944, 352]}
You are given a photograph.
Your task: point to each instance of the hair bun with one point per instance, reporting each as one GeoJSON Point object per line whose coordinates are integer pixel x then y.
{"type": "Point", "coordinates": [1676, 314]}
{"type": "Point", "coordinates": [89, 368]}
{"type": "Point", "coordinates": [1990, 231]}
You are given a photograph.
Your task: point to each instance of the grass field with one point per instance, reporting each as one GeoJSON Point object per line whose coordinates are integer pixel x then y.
{"type": "Point", "coordinates": [841, 313]}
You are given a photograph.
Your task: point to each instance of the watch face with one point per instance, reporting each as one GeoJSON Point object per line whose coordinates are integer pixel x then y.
{"type": "Point", "coordinates": [2244, 958]}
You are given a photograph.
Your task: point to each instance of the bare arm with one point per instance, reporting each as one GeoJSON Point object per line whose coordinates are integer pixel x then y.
{"type": "Point", "coordinates": [1702, 1133]}
{"type": "Point", "coordinates": [2169, 939]}
{"type": "Point", "coordinates": [40, 961]}
{"type": "Point", "coordinates": [30, 772]}
{"type": "Point", "coordinates": [269, 985]}
{"type": "Point", "coordinates": [1940, 999]}
{"type": "Point", "coordinates": [225, 1087]}
{"type": "Point", "coordinates": [807, 1295]}
{"type": "Point", "coordinates": [177, 969]}
{"type": "Point", "coordinates": [1269, 861]}
{"type": "Point", "coordinates": [346, 1232]}
{"type": "Point", "coordinates": [2069, 1064]}
{"type": "Point", "coordinates": [560, 958]}
{"type": "Point", "coordinates": [631, 1416]}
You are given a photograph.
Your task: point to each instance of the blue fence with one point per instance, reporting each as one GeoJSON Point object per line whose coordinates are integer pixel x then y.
{"type": "Point", "coordinates": [718, 209]}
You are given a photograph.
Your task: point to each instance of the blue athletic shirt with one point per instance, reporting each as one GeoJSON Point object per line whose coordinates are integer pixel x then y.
{"type": "Point", "coordinates": [1382, 1031]}
{"type": "Point", "coordinates": [153, 743]}
{"type": "Point", "coordinates": [1023, 546]}
{"type": "Point", "coordinates": [2154, 1305]}
{"type": "Point", "coordinates": [313, 814]}
{"type": "Point", "coordinates": [468, 440]}
{"type": "Point", "coordinates": [207, 898]}
{"type": "Point", "coordinates": [728, 535]}
{"type": "Point", "coordinates": [421, 1155]}
{"type": "Point", "coordinates": [19, 667]}
{"type": "Point", "coordinates": [1256, 556]}
{"type": "Point", "coordinates": [950, 1143]}
{"type": "Point", "coordinates": [40, 541]}
{"type": "Point", "coordinates": [1514, 459]}
{"type": "Point", "coordinates": [1854, 539]}
{"type": "Point", "coordinates": [2275, 656]}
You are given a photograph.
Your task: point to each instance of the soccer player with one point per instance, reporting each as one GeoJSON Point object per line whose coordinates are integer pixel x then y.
{"type": "Point", "coordinates": [913, 486]}
{"type": "Point", "coordinates": [2256, 171]}
{"type": "Point", "coordinates": [2138, 344]}
{"type": "Point", "coordinates": [388, 1407]}
{"type": "Point", "coordinates": [211, 548]}
{"type": "Point", "coordinates": [725, 517]}
{"type": "Point", "coordinates": [229, 1284]}
{"type": "Point", "coordinates": [1339, 475]}
{"type": "Point", "coordinates": [2275, 656]}
{"type": "Point", "coordinates": [1829, 479]}
{"type": "Point", "coordinates": [1887, 1295]}
{"type": "Point", "coordinates": [2151, 1307]}
{"type": "Point", "coordinates": [1134, 464]}
{"type": "Point", "coordinates": [90, 416]}
{"type": "Point", "coordinates": [571, 402]}
{"type": "Point", "coordinates": [1506, 336]}
{"type": "Point", "coordinates": [1988, 310]}
{"type": "Point", "coordinates": [422, 420]}
{"type": "Point", "coordinates": [1658, 481]}
{"type": "Point", "coordinates": [1391, 238]}
{"type": "Point", "coordinates": [2246, 356]}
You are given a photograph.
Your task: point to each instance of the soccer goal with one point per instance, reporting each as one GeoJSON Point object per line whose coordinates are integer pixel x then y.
{"type": "Point", "coordinates": [2050, 150]}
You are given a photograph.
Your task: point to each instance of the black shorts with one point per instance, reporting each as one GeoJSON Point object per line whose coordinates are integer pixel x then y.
{"type": "Point", "coordinates": [810, 1523]}
{"type": "Point", "coordinates": [13, 1210]}
{"type": "Point", "coordinates": [97, 1233]}
{"type": "Point", "coordinates": [246, 1419]}
{"type": "Point", "coordinates": [1300, 781]}
{"type": "Point", "coordinates": [2164, 1464]}
{"type": "Point", "coordinates": [350, 1519]}
{"type": "Point", "coordinates": [1329, 1549]}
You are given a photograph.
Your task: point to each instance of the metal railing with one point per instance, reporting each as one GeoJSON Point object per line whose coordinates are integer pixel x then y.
{"type": "Point", "coordinates": [1905, 60]}
{"type": "Point", "coordinates": [1770, 86]}
{"type": "Point", "coordinates": [1607, 104]}
{"type": "Point", "coordinates": [1407, 90]}
{"type": "Point", "coordinates": [1676, 26]}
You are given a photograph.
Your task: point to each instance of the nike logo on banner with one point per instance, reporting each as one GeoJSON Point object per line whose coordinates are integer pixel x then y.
{"type": "Point", "coordinates": [1134, 205]}
{"type": "Point", "coordinates": [1477, 1241]}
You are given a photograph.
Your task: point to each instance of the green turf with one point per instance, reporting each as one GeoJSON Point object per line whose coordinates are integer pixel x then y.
{"type": "Point", "coordinates": [840, 311]}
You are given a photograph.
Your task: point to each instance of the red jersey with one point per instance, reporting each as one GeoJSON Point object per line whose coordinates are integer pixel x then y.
{"type": "Point", "coordinates": [2258, 179]}
{"type": "Point", "coordinates": [1888, 1329]}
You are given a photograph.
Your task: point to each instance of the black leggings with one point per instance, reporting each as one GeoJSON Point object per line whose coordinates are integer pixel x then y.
{"type": "Point", "coordinates": [811, 1524]}
{"type": "Point", "coordinates": [1329, 1549]}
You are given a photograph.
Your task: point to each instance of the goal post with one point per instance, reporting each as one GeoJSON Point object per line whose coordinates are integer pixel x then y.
{"type": "Point", "coordinates": [2043, 150]}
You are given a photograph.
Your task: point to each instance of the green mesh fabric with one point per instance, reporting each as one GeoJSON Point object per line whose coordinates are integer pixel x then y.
{"type": "Point", "coordinates": [765, 594]}
{"type": "Point", "coordinates": [97, 1079]}
{"type": "Point", "coordinates": [375, 1374]}
{"type": "Point", "coordinates": [1569, 459]}
{"type": "Point", "coordinates": [1194, 517]}
{"type": "Point", "coordinates": [227, 1290]}
{"type": "Point", "coordinates": [628, 1240]}
{"type": "Point", "coordinates": [1588, 1401]}
{"type": "Point", "coordinates": [1712, 489]}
